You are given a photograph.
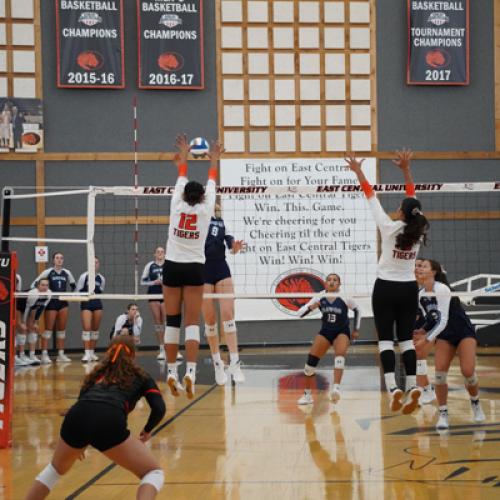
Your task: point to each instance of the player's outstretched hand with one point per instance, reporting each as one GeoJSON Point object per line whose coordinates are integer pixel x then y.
{"type": "Point", "coordinates": [403, 159]}
{"type": "Point", "coordinates": [182, 146]}
{"type": "Point", "coordinates": [238, 246]}
{"type": "Point", "coordinates": [216, 151]}
{"type": "Point", "coordinates": [354, 165]}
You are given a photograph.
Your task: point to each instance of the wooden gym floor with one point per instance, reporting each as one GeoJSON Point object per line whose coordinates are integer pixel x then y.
{"type": "Point", "coordinates": [253, 442]}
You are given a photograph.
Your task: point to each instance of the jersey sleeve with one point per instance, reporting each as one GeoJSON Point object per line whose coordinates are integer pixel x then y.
{"type": "Point", "coordinates": [120, 321]}
{"type": "Point", "coordinates": [306, 308]}
{"type": "Point", "coordinates": [80, 285]}
{"type": "Point", "coordinates": [383, 221]}
{"type": "Point", "coordinates": [178, 190]}
{"type": "Point", "coordinates": [42, 307]}
{"type": "Point", "coordinates": [145, 275]}
{"type": "Point", "coordinates": [137, 326]}
{"type": "Point", "coordinates": [30, 302]}
{"type": "Point", "coordinates": [351, 304]}
{"type": "Point", "coordinates": [229, 241]}
{"type": "Point", "coordinates": [103, 282]}
{"type": "Point", "coordinates": [43, 274]}
{"type": "Point", "coordinates": [156, 404]}
{"type": "Point", "coordinates": [437, 319]}
{"type": "Point", "coordinates": [71, 279]}
{"type": "Point", "coordinates": [19, 283]}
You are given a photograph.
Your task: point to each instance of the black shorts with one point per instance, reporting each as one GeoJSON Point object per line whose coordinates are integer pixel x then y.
{"type": "Point", "coordinates": [215, 271]}
{"type": "Point", "coordinates": [56, 305]}
{"type": "Point", "coordinates": [178, 274]}
{"type": "Point", "coordinates": [155, 290]}
{"type": "Point", "coordinates": [21, 304]}
{"type": "Point", "coordinates": [454, 338]}
{"type": "Point", "coordinates": [100, 425]}
{"type": "Point", "coordinates": [91, 305]}
{"type": "Point", "coordinates": [331, 335]}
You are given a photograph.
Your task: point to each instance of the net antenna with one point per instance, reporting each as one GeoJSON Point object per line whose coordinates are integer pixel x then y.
{"type": "Point", "coordinates": [136, 199]}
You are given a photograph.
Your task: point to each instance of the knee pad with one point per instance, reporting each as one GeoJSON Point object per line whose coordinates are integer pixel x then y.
{"type": "Point", "coordinates": [421, 367]}
{"type": "Point", "coordinates": [155, 478]}
{"type": "Point", "coordinates": [171, 335]}
{"type": "Point", "coordinates": [94, 336]}
{"type": "Point", "coordinates": [86, 336]}
{"type": "Point", "coordinates": [210, 330]}
{"type": "Point", "coordinates": [20, 339]}
{"type": "Point", "coordinates": [309, 371]}
{"type": "Point", "coordinates": [32, 338]}
{"type": "Point", "coordinates": [193, 333]}
{"type": "Point", "coordinates": [229, 326]}
{"type": "Point", "coordinates": [174, 320]}
{"type": "Point", "coordinates": [385, 345]}
{"type": "Point", "coordinates": [158, 328]}
{"type": "Point", "coordinates": [339, 362]}
{"type": "Point", "coordinates": [61, 335]}
{"type": "Point", "coordinates": [473, 380]}
{"type": "Point", "coordinates": [406, 345]}
{"type": "Point", "coordinates": [49, 476]}
{"type": "Point", "coordinates": [47, 334]}
{"type": "Point", "coordinates": [440, 378]}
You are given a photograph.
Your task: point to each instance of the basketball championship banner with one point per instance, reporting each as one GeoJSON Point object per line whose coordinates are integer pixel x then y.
{"type": "Point", "coordinates": [170, 37]}
{"type": "Point", "coordinates": [8, 266]}
{"type": "Point", "coordinates": [438, 42]}
{"type": "Point", "coordinates": [295, 240]}
{"type": "Point", "coordinates": [90, 52]}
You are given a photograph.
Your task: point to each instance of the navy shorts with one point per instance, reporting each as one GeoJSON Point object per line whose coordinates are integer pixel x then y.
{"type": "Point", "coordinates": [454, 338]}
{"type": "Point", "coordinates": [100, 425]}
{"type": "Point", "coordinates": [21, 304]}
{"type": "Point", "coordinates": [331, 335]}
{"type": "Point", "coordinates": [179, 274]}
{"type": "Point", "coordinates": [215, 271]}
{"type": "Point", "coordinates": [91, 305]}
{"type": "Point", "coordinates": [56, 305]}
{"type": "Point", "coordinates": [155, 290]}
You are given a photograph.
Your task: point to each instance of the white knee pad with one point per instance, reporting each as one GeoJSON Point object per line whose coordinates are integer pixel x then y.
{"type": "Point", "coordinates": [155, 478]}
{"type": "Point", "coordinates": [210, 330]}
{"type": "Point", "coordinates": [20, 339]}
{"type": "Point", "coordinates": [86, 336]}
{"type": "Point", "coordinates": [406, 345]}
{"type": "Point", "coordinates": [61, 335]}
{"type": "Point", "coordinates": [440, 378]}
{"type": "Point", "coordinates": [385, 345]}
{"type": "Point", "coordinates": [309, 371]}
{"type": "Point", "coordinates": [158, 328]}
{"type": "Point", "coordinates": [421, 367]}
{"type": "Point", "coordinates": [473, 380]}
{"type": "Point", "coordinates": [47, 334]}
{"type": "Point", "coordinates": [339, 362]}
{"type": "Point", "coordinates": [229, 326]}
{"type": "Point", "coordinates": [32, 338]}
{"type": "Point", "coordinates": [49, 476]}
{"type": "Point", "coordinates": [193, 333]}
{"type": "Point", "coordinates": [172, 334]}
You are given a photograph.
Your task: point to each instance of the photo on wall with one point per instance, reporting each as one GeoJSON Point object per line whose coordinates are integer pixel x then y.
{"type": "Point", "coordinates": [21, 125]}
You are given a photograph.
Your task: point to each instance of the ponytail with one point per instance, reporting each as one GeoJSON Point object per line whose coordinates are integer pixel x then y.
{"type": "Point", "coordinates": [416, 227]}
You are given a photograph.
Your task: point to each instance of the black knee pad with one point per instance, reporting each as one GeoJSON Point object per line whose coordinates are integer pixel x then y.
{"type": "Point", "coordinates": [312, 360]}
{"type": "Point", "coordinates": [174, 321]}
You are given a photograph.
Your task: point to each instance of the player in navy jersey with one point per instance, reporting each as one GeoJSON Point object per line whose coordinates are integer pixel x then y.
{"type": "Point", "coordinates": [129, 323]}
{"type": "Point", "coordinates": [335, 332]}
{"type": "Point", "coordinates": [152, 278]}
{"type": "Point", "coordinates": [56, 313]}
{"type": "Point", "coordinates": [446, 323]}
{"type": "Point", "coordinates": [28, 312]}
{"type": "Point", "coordinates": [91, 313]}
{"type": "Point", "coordinates": [191, 208]}
{"type": "Point", "coordinates": [395, 292]}
{"type": "Point", "coordinates": [218, 280]}
{"type": "Point", "coordinates": [99, 419]}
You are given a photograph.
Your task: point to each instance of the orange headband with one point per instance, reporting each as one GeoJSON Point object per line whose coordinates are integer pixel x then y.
{"type": "Point", "coordinates": [117, 349]}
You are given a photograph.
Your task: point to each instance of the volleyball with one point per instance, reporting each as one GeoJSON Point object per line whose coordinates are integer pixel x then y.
{"type": "Point", "coordinates": [199, 147]}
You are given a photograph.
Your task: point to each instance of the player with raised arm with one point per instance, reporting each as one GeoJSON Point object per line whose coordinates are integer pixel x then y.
{"type": "Point", "coordinates": [191, 208]}
{"type": "Point", "coordinates": [218, 280]}
{"type": "Point", "coordinates": [395, 293]}
{"type": "Point", "coordinates": [91, 313]}
{"type": "Point", "coordinates": [56, 312]}
{"type": "Point", "coordinates": [447, 324]}
{"type": "Point", "coordinates": [335, 332]}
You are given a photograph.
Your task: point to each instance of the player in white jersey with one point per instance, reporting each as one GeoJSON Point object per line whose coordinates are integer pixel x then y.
{"type": "Point", "coordinates": [191, 209]}
{"type": "Point", "coordinates": [29, 310]}
{"type": "Point", "coordinates": [129, 323]}
{"type": "Point", "coordinates": [395, 293]}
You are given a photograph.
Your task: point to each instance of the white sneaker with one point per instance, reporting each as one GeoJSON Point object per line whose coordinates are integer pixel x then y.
{"type": "Point", "coordinates": [19, 361]}
{"type": "Point", "coordinates": [236, 373]}
{"type": "Point", "coordinates": [45, 359]}
{"type": "Point", "coordinates": [87, 358]}
{"type": "Point", "coordinates": [443, 423]}
{"type": "Point", "coordinates": [174, 385]}
{"type": "Point", "coordinates": [335, 395]}
{"type": "Point", "coordinates": [161, 355]}
{"type": "Point", "coordinates": [427, 396]}
{"type": "Point", "coordinates": [180, 357]}
{"type": "Point", "coordinates": [220, 373]}
{"type": "Point", "coordinates": [189, 385]}
{"type": "Point", "coordinates": [395, 399]}
{"type": "Point", "coordinates": [306, 399]}
{"type": "Point", "coordinates": [94, 357]}
{"type": "Point", "coordinates": [411, 402]}
{"type": "Point", "coordinates": [62, 358]}
{"type": "Point", "coordinates": [33, 359]}
{"type": "Point", "coordinates": [478, 415]}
